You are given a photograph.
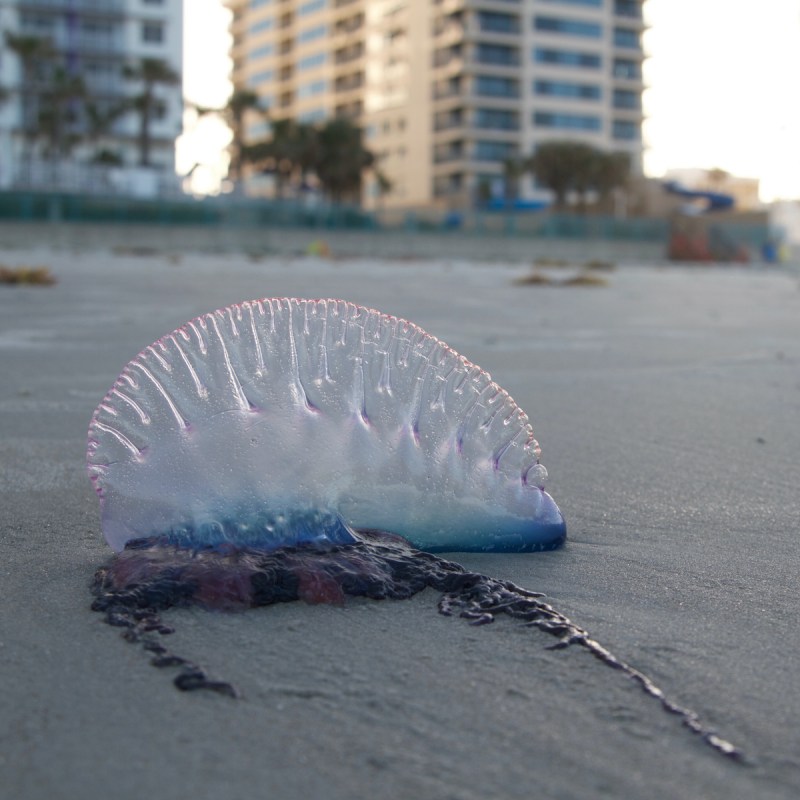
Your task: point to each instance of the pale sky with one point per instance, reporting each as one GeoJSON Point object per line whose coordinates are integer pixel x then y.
{"type": "Point", "coordinates": [722, 78]}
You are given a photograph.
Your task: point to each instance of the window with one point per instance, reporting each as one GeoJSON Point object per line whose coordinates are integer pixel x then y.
{"type": "Point", "coordinates": [496, 119]}
{"type": "Point", "coordinates": [498, 54]}
{"type": "Point", "coordinates": [153, 32]}
{"type": "Point", "coordinates": [310, 7]}
{"type": "Point", "coordinates": [311, 89]}
{"type": "Point", "coordinates": [262, 25]}
{"type": "Point", "coordinates": [627, 69]}
{"type": "Point", "coordinates": [624, 98]}
{"type": "Point", "coordinates": [628, 8]}
{"type": "Point", "coordinates": [626, 130]}
{"type": "Point", "coordinates": [573, 27]}
{"type": "Point", "coordinates": [309, 34]}
{"type": "Point", "coordinates": [312, 116]}
{"type": "Point", "coordinates": [625, 37]}
{"type": "Point", "coordinates": [35, 21]}
{"type": "Point", "coordinates": [573, 122]}
{"type": "Point", "coordinates": [259, 130]}
{"type": "Point", "coordinates": [264, 76]}
{"type": "Point", "coordinates": [261, 52]}
{"type": "Point", "coordinates": [448, 152]}
{"type": "Point", "coordinates": [493, 86]}
{"type": "Point", "coordinates": [494, 151]}
{"type": "Point", "coordinates": [580, 91]}
{"type": "Point", "coordinates": [309, 62]}
{"type": "Point", "coordinates": [567, 58]}
{"type": "Point", "coordinates": [95, 28]}
{"type": "Point", "coordinates": [258, 3]}
{"type": "Point", "coordinates": [494, 22]}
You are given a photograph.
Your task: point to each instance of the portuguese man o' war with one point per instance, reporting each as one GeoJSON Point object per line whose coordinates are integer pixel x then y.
{"type": "Point", "coordinates": [281, 421]}
{"type": "Point", "coordinates": [286, 449]}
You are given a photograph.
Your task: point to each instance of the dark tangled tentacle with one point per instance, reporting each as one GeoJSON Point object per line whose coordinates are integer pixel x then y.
{"type": "Point", "coordinates": [150, 576]}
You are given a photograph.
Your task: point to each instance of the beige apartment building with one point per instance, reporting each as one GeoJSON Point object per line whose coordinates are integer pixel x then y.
{"type": "Point", "coordinates": [448, 91]}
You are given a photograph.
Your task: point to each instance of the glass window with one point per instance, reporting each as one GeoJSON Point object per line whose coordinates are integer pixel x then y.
{"type": "Point", "coordinates": [628, 8]}
{"type": "Point", "coordinates": [499, 54]}
{"type": "Point", "coordinates": [496, 119]}
{"type": "Point", "coordinates": [311, 89]}
{"type": "Point", "coordinates": [624, 98]}
{"type": "Point", "coordinates": [309, 34]}
{"type": "Point", "coordinates": [495, 22]}
{"type": "Point", "coordinates": [259, 130]}
{"type": "Point", "coordinates": [265, 76]}
{"type": "Point", "coordinates": [625, 37]}
{"type": "Point", "coordinates": [626, 130]}
{"type": "Point", "coordinates": [262, 51]}
{"type": "Point", "coordinates": [494, 86]}
{"type": "Point", "coordinates": [573, 27]}
{"type": "Point", "coordinates": [310, 7]}
{"type": "Point", "coordinates": [153, 32]}
{"type": "Point", "coordinates": [313, 115]}
{"type": "Point", "coordinates": [574, 122]}
{"type": "Point", "coordinates": [567, 58]}
{"type": "Point", "coordinates": [625, 68]}
{"type": "Point", "coordinates": [262, 25]}
{"type": "Point", "coordinates": [309, 62]}
{"type": "Point", "coordinates": [494, 151]}
{"type": "Point", "coordinates": [580, 91]}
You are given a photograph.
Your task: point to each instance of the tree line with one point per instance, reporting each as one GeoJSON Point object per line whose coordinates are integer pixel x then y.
{"type": "Point", "coordinates": [570, 168]}
{"type": "Point", "coordinates": [59, 113]}
{"type": "Point", "coordinates": [331, 155]}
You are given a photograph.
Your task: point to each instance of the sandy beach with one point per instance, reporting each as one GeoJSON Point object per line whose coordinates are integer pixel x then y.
{"type": "Point", "coordinates": [667, 404]}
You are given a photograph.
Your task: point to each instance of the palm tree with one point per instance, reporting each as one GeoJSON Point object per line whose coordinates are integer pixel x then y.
{"type": "Point", "coordinates": [150, 73]}
{"type": "Point", "coordinates": [567, 166]}
{"type": "Point", "coordinates": [99, 121]}
{"type": "Point", "coordinates": [612, 171]}
{"type": "Point", "coordinates": [342, 159]}
{"type": "Point", "coordinates": [35, 55]}
{"type": "Point", "coordinates": [291, 150]}
{"type": "Point", "coordinates": [60, 113]}
{"type": "Point", "coordinates": [233, 114]}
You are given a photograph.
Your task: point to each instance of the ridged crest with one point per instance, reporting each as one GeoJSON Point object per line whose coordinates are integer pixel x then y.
{"type": "Point", "coordinates": [282, 406]}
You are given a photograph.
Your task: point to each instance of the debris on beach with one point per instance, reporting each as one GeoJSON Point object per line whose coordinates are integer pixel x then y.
{"type": "Point", "coordinates": [584, 278]}
{"type": "Point", "coordinates": [27, 276]}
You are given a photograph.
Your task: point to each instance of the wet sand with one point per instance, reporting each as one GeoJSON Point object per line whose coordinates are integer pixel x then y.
{"type": "Point", "coordinates": [667, 405]}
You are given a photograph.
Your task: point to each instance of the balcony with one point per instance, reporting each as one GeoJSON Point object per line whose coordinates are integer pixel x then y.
{"type": "Point", "coordinates": [449, 34]}
{"type": "Point", "coordinates": [347, 55]}
{"type": "Point", "coordinates": [449, 153]}
{"type": "Point", "coordinates": [348, 83]}
{"type": "Point", "coordinates": [447, 90]}
{"type": "Point", "coordinates": [453, 120]}
{"type": "Point", "coordinates": [348, 26]}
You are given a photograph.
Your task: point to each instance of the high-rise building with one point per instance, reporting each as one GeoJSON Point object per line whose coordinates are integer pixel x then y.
{"type": "Point", "coordinates": [72, 71]}
{"type": "Point", "coordinates": [448, 91]}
